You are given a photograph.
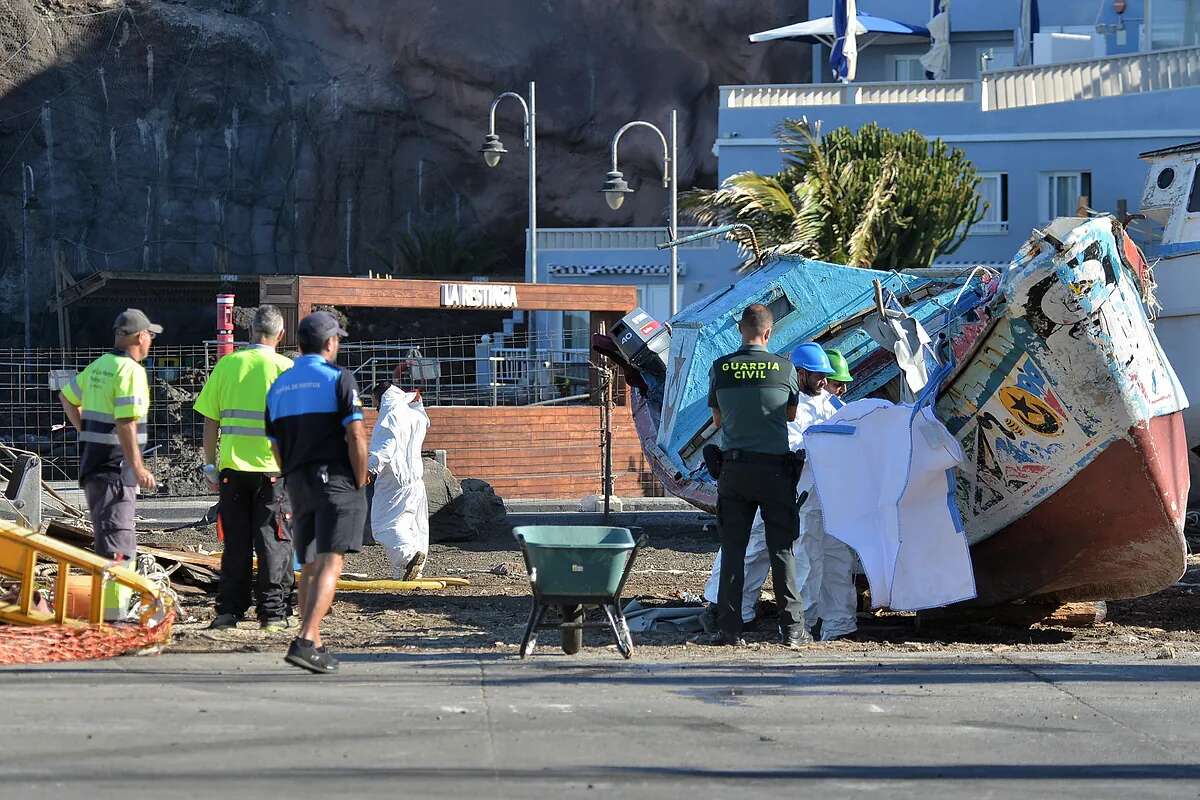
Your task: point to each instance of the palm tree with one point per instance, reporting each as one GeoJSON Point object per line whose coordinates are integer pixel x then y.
{"type": "Point", "coordinates": [864, 198]}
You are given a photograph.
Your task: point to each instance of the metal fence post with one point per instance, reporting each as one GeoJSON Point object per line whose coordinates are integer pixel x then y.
{"type": "Point", "coordinates": [606, 406]}
{"type": "Point", "coordinates": [606, 436]}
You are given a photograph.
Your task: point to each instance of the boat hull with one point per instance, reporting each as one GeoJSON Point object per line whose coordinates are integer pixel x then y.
{"type": "Point", "coordinates": [1075, 476]}
{"type": "Point", "coordinates": [1115, 530]}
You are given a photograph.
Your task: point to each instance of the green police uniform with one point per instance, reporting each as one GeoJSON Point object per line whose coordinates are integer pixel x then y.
{"type": "Point", "coordinates": [753, 389]}
{"type": "Point", "coordinates": [251, 516]}
{"type": "Point", "coordinates": [110, 389]}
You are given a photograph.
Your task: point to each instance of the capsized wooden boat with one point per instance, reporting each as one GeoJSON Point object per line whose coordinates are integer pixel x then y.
{"type": "Point", "coordinates": [1076, 479]}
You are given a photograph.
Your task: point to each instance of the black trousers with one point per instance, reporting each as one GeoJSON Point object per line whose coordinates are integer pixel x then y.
{"type": "Point", "coordinates": [743, 489]}
{"type": "Point", "coordinates": [252, 513]}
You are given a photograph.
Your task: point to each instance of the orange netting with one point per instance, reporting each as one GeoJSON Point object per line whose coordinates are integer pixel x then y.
{"type": "Point", "coordinates": [39, 644]}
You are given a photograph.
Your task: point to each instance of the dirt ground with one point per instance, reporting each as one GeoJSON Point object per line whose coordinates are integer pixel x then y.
{"type": "Point", "coordinates": [489, 615]}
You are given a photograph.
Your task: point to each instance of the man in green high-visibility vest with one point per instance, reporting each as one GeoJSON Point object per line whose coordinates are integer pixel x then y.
{"type": "Point", "coordinates": [250, 512]}
{"type": "Point", "coordinates": [108, 403]}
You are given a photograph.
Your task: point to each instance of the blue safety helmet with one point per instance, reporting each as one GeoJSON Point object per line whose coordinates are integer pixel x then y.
{"type": "Point", "coordinates": [811, 356]}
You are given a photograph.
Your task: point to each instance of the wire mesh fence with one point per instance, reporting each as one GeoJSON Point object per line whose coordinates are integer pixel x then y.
{"type": "Point", "coordinates": [539, 435]}
{"type": "Point", "coordinates": [487, 370]}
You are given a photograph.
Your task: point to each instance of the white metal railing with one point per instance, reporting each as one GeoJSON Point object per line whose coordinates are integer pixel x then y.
{"type": "Point", "coordinates": [1017, 87]}
{"type": "Point", "coordinates": [510, 366]}
{"type": "Point", "coordinates": [848, 94]}
{"type": "Point", "coordinates": [615, 239]}
{"type": "Point", "coordinates": [1110, 76]}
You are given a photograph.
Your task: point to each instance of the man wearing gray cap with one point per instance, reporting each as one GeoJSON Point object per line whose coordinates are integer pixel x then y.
{"type": "Point", "coordinates": [108, 403]}
{"type": "Point", "coordinates": [314, 420]}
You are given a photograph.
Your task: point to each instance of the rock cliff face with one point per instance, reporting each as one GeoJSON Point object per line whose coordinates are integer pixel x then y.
{"type": "Point", "coordinates": [314, 136]}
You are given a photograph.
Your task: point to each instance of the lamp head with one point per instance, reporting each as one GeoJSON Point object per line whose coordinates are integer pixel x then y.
{"type": "Point", "coordinates": [492, 150]}
{"type": "Point", "coordinates": [615, 189]}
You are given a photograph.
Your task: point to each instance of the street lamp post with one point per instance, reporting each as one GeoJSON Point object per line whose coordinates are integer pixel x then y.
{"type": "Point", "coordinates": [616, 187]}
{"type": "Point", "coordinates": [28, 201]}
{"type": "Point", "coordinates": [493, 149]}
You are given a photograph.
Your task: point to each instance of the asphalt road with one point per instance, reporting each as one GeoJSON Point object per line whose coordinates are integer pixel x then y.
{"type": "Point", "coordinates": [440, 725]}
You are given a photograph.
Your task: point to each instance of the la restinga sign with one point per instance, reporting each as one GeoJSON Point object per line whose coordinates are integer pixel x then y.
{"type": "Point", "coordinates": [478, 295]}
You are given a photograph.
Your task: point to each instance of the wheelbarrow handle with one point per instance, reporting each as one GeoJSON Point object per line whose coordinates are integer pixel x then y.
{"type": "Point", "coordinates": [637, 545]}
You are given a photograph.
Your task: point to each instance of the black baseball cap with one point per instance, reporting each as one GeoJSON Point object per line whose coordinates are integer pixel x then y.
{"type": "Point", "coordinates": [134, 320]}
{"type": "Point", "coordinates": [319, 326]}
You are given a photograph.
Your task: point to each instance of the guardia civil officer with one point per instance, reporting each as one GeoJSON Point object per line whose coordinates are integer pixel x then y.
{"type": "Point", "coordinates": [250, 511]}
{"type": "Point", "coordinates": [108, 403]}
{"type": "Point", "coordinates": [753, 394]}
{"type": "Point", "coordinates": [314, 420]}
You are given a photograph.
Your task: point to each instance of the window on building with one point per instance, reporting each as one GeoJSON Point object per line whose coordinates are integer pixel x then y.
{"type": "Point", "coordinates": [655, 300]}
{"type": "Point", "coordinates": [907, 69]}
{"type": "Point", "coordinates": [1062, 193]}
{"type": "Point", "coordinates": [995, 58]}
{"type": "Point", "coordinates": [1173, 23]}
{"type": "Point", "coordinates": [575, 330]}
{"type": "Point", "coordinates": [993, 191]}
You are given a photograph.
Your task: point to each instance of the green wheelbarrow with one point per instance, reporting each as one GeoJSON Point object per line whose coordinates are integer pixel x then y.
{"type": "Point", "coordinates": [571, 567]}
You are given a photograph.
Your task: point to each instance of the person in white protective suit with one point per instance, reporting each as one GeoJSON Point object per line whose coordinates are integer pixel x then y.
{"type": "Point", "coordinates": [824, 566]}
{"type": "Point", "coordinates": [830, 596]}
{"type": "Point", "coordinates": [400, 507]}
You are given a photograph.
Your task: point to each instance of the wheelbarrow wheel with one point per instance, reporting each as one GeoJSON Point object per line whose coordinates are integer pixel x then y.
{"type": "Point", "coordinates": [572, 638]}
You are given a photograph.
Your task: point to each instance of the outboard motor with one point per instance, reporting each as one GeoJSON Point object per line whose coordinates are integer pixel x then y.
{"type": "Point", "coordinates": [643, 341]}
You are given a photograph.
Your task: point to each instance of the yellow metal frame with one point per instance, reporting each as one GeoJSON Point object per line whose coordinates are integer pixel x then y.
{"type": "Point", "coordinates": [19, 553]}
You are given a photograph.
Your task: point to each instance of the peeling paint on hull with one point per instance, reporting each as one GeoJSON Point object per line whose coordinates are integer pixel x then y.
{"type": "Point", "coordinates": [1113, 531]}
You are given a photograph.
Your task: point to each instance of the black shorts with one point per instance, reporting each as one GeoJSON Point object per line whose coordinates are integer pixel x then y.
{"type": "Point", "coordinates": [328, 510]}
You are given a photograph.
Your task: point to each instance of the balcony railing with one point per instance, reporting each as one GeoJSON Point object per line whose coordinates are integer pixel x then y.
{"type": "Point", "coordinates": [1111, 76]}
{"type": "Point", "coordinates": [615, 239]}
{"type": "Point", "coordinates": [996, 90]}
{"type": "Point", "coordinates": [849, 94]}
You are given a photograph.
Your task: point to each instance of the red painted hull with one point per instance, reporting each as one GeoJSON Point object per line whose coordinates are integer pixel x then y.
{"type": "Point", "coordinates": [1114, 531]}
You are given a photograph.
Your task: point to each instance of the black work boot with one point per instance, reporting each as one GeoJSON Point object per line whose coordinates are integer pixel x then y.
{"type": "Point", "coordinates": [795, 635]}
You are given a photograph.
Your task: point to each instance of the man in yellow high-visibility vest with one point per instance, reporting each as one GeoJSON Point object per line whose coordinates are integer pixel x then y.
{"type": "Point", "coordinates": [250, 512]}
{"type": "Point", "coordinates": [108, 403]}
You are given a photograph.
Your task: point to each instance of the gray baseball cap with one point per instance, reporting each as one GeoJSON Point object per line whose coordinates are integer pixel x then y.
{"type": "Point", "coordinates": [134, 320]}
{"type": "Point", "coordinates": [319, 326]}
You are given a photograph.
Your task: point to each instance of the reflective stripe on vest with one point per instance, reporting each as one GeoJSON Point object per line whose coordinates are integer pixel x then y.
{"type": "Point", "coordinates": [106, 438]}
{"type": "Point", "coordinates": [238, 430]}
{"type": "Point", "coordinates": [236, 413]}
{"type": "Point", "coordinates": [97, 416]}
{"type": "Point", "coordinates": [238, 422]}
